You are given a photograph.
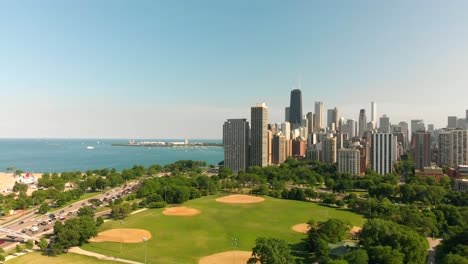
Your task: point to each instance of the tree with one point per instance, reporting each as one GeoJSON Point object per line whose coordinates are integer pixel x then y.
{"type": "Point", "coordinates": [18, 248]}
{"type": "Point", "coordinates": [357, 257]}
{"type": "Point", "coordinates": [270, 251]}
{"type": "Point", "coordinates": [44, 208]}
{"type": "Point", "coordinates": [43, 244]}
{"type": "Point", "coordinates": [385, 255]}
{"type": "Point", "coordinates": [378, 232]}
{"type": "Point", "coordinates": [20, 187]}
{"type": "Point", "coordinates": [29, 244]}
{"type": "Point", "coordinates": [99, 221]}
{"type": "Point", "coordinates": [86, 211]}
{"type": "Point", "coordinates": [120, 211]}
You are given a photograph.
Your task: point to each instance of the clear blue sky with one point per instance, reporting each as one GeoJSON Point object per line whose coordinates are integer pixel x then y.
{"type": "Point", "coordinates": [178, 69]}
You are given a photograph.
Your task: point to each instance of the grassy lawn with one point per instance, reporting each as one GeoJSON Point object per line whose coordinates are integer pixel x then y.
{"type": "Point", "coordinates": [186, 239]}
{"type": "Point", "coordinates": [37, 258]}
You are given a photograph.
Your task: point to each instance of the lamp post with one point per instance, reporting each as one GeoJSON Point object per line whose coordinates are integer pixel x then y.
{"type": "Point", "coordinates": [145, 239]}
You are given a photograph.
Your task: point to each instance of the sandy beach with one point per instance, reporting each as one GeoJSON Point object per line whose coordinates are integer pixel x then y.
{"type": "Point", "coordinates": [7, 181]}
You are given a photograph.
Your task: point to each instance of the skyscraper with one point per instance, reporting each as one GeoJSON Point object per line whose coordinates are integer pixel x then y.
{"type": "Point", "coordinates": [310, 122]}
{"type": "Point", "coordinates": [383, 152]}
{"type": "Point", "coordinates": [452, 122]}
{"type": "Point", "coordinates": [384, 124]}
{"type": "Point", "coordinates": [362, 122]}
{"type": "Point", "coordinates": [459, 149]}
{"type": "Point", "coordinates": [421, 147]}
{"type": "Point", "coordinates": [374, 113]}
{"type": "Point", "coordinates": [404, 129]}
{"type": "Point", "coordinates": [278, 154]}
{"type": "Point", "coordinates": [318, 121]}
{"type": "Point", "coordinates": [236, 144]}
{"type": "Point", "coordinates": [329, 118]}
{"type": "Point", "coordinates": [445, 148]}
{"type": "Point", "coordinates": [295, 108]}
{"type": "Point", "coordinates": [286, 130]}
{"type": "Point", "coordinates": [329, 150]}
{"type": "Point", "coordinates": [352, 128]}
{"type": "Point", "coordinates": [417, 125]}
{"type": "Point", "coordinates": [332, 118]}
{"type": "Point", "coordinates": [349, 161]}
{"type": "Point", "coordinates": [259, 135]}
{"type": "Point", "coordinates": [286, 114]}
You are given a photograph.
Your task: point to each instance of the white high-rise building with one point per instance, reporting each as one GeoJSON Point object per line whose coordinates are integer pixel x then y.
{"type": "Point", "coordinates": [374, 113]}
{"type": "Point", "coordinates": [349, 161]}
{"type": "Point", "coordinates": [318, 122]}
{"type": "Point", "coordinates": [459, 150]}
{"type": "Point", "coordinates": [352, 127]}
{"type": "Point", "coordinates": [286, 130]}
{"type": "Point", "coordinates": [383, 152]}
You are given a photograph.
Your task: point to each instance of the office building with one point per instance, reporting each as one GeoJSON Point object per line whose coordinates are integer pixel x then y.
{"type": "Point", "coordinates": [286, 114]}
{"type": "Point", "coordinates": [318, 121]}
{"type": "Point", "coordinates": [236, 144]}
{"type": "Point", "coordinates": [384, 124]}
{"type": "Point", "coordinates": [349, 161]}
{"type": "Point", "coordinates": [278, 154]}
{"type": "Point", "coordinates": [417, 125]}
{"type": "Point", "coordinates": [295, 108]}
{"type": "Point", "coordinates": [461, 123]}
{"type": "Point", "coordinates": [299, 148]}
{"type": "Point", "coordinates": [374, 113]}
{"type": "Point", "coordinates": [430, 128]}
{"type": "Point", "coordinates": [383, 152]}
{"type": "Point", "coordinates": [329, 150]}
{"type": "Point", "coordinates": [459, 150]}
{"type": "Point", "coordinates": [445, 148]}
{"type": "Point", "coordinates": [259, 135]}
{"type": "Point", "coordinates": [362, 122]}
{"type": "Point", "coordinates": [286, 130]}
{"type": "Point", "coordinates": [352, 127]}
{"type": "Point", "coordinates": [332, 119]}
{"type": "Point", "coordinates": [452, 122]}
{"type": "Point", "coordinates": [310, 122]}
{"type": "Point", "coordinates": [421, 148]}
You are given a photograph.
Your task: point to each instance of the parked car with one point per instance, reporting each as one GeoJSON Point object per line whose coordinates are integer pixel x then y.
{"type": "Point", "coordinates": [44, 223]}
{"type": "Point", "coordinates": [2, 242]}
{"type": "Point", "coordinates": [23, 231]}
{"type": "Point", "coordinates": [21, 222]}
{"type": "Point", "coordinates": [46, 229]}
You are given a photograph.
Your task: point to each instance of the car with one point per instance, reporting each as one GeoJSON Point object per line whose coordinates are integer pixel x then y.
{"type": "Point", "coordinates": [2, 242]}
{"type": "Point", "coordinates": [52, 216]}
{"type": "Point", "coordinates": [21, 222]}
{"type": "Point", "coordinates": [23, 231]}
{"type": "Point", "coordinates": [71, 205]}
{"type": "Point", "coordinates": [61, 212]}
{"type": "Point", "coordinates": [70, 213]}
{"type": "Point", "coordinates": [83, 203]}
{"type": "Point", "coordinates": [61, 218]}
{"type": "Point", "coordinates": [46, 229]}
{"type": "Point", "coordinates": [44, 223]}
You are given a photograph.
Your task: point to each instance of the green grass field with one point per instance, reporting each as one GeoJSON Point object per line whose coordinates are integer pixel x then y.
{"type": "Point", "coordinates": [181, 240]}
{"type": "Point", "coordinates": [37, 258]}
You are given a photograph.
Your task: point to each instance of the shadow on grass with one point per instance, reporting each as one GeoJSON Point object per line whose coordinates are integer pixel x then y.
{"type": "Point", "coordinates": [301, 252]}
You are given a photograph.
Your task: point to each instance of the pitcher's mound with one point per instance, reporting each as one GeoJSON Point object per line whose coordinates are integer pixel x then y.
{"type": "Point", "coordinates": [301, 228]}
{"type": "Point", "coordinates": [125, 235]}
{"type": "Point", "coordinates": [228, 257]}
{"type": "Point", "coordinates": [240, 199]}
{"type": "Point", "coordinates": [181, 211]}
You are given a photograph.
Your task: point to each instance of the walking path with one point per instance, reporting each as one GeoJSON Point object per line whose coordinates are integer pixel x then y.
{"type": "Point", "coordinates": [433, 243]}
{"type": "Point", "coordinates": [80, 251]}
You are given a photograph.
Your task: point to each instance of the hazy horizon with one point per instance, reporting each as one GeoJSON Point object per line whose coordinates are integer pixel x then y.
{"type": "Point", "coordinates": [146, 69]}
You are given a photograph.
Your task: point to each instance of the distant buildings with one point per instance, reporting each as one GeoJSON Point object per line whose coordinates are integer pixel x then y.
{"type": "Point", "coordinates": [452, 122]}
{"type": "Point", "coordinates": [374, 113]}
{"type": "Point", "coordinates": [286, 114]}
{"type": "Point", "coordinates": [236, 144]}
{"type": "Point", "coordinates": [318, 121]}
{"type": "Point", "coordinates": [278, 149]}
{"type": "Point", "coordinates": [421, 147]}
{"type": "Point", "coordinates": [329, 150]}
{"type": "Point", "coordinates": [459, 149]}
{"type": "Point", "coordinates": [362, 122]}
{"type": "Point", "coordinates": [259, 135]}
{"type": "Point", "coordinates": [384, 124]}
{"type": "Point", "coordinates": [383, 152]}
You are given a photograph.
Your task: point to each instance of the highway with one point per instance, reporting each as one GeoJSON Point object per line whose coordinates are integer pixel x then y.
{"type": "Point", "coordinates": [29, 219]}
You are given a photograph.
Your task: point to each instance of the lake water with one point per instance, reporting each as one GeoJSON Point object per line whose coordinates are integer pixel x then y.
{"type": "Point", "coordinates": [57, 155]}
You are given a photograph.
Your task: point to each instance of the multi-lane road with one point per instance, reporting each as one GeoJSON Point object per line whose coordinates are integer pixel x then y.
{"type": "Point", "coordinates": [44, 222]}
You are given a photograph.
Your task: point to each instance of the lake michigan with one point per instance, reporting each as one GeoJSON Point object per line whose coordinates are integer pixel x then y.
{"type": "Point", "coordinates": [57, 155]}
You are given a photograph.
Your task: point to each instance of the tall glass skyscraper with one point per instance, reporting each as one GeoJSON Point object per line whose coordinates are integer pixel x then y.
{"type": "Point", "coordinates": [295, 108]}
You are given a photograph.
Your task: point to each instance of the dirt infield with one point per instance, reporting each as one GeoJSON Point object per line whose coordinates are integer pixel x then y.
{"type": "Point", "coordinates": [181, 211]}
{"type": "Point", "coordinates": [125, 235]}
{"type": "Point", "coordinates": [301, 228]}
{"type": "Point", "coordinates": [240, 199]}
{"type": "Point", "coordinates": [228, 257]}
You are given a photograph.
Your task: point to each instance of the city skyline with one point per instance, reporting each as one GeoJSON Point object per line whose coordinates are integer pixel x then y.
{"type": "Point", "coordinates": [180, 70]}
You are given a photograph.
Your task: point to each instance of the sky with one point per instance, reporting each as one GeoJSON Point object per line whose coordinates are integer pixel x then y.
{"type": "Point", "coordinates": [179, 69]}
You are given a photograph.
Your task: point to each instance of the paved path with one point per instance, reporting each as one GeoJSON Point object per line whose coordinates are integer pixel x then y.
{"type": "Point", "coordinates": [433, 243]}
{"type": "Point", "coordinates": [80, 251]}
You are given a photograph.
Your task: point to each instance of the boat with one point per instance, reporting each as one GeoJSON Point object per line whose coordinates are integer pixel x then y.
{"type": "Point", "coordinates": [89, 147]}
